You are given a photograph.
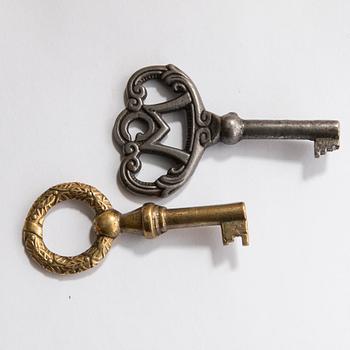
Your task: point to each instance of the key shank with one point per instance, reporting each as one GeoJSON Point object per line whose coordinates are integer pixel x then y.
{"type": "Point", "coordinates": [324, 133]}
{"type": "Point", "coordinates": [290, 129]}
{"type": "Point", "coordinates": [152, 220]}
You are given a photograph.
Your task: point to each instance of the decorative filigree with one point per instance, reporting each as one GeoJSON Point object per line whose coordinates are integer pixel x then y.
{"type": "Point", "coordinates": [33, 236]}
{"type": "Point", "coordinates": [199, 131]}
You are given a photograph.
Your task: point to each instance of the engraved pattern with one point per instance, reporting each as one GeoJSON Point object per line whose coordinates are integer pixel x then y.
{"type": "Point", "coordinates": [33, 237]}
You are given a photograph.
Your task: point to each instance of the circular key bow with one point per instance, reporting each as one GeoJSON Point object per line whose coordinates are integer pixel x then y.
{"type": "Point", "coordinates": [150, 220]}
{"type": "Point", "coordinates": [33, 228]}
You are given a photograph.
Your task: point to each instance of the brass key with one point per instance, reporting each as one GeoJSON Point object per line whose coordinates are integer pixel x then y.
{"type": "Point", "coordinates": [150, 221]}
{"type": "Point", "coordinates": [203, 129]}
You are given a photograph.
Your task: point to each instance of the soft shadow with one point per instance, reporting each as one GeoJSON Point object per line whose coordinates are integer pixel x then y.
{"type": "Point", "coordinates": [295, 151]}
{"type": "Point", "coordinates": [181, 239]}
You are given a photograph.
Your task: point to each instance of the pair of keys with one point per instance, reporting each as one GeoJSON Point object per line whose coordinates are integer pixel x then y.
{"type": "Point", "coordinates": [203, 129]}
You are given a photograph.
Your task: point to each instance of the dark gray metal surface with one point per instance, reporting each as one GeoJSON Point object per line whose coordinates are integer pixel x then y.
{"type": "Point", "coordinates": [203, 129]}
{"type": "Point", "coordinates": [324, 133]}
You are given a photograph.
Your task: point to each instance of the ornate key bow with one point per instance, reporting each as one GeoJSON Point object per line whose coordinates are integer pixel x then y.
{"type": "Point", "coordinates": [203, 129]}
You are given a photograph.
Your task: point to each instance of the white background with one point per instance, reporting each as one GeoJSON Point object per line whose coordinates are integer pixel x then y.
{"type": "Point", "coordinates": [63, 69]}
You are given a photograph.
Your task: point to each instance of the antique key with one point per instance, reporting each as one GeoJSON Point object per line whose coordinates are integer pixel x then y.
{"type": "Point", "coordinates": [203, 129]}
{"type": "Point", "coordinates": [150, 220]}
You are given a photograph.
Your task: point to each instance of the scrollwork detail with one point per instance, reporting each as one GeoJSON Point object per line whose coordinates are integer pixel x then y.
{"type": "Point", "coordinates": [198, 130]}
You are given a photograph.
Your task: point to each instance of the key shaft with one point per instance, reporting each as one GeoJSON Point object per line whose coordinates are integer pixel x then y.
{"type": "Point", "coordinates": [324, 133]}
{"type": "Point", "coordinates": [152, 220]}
{"type": "Point", "coordinates": [290, 129]}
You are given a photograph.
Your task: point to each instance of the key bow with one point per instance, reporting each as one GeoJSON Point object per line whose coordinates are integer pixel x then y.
{"type": "Point", "coordinates": [200, 130]}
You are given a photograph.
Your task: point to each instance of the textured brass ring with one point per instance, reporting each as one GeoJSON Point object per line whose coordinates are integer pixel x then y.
{"type": "Point", "coordinates": [33, 229]}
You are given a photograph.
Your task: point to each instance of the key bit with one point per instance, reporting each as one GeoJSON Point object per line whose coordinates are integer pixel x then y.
{"type": "Point", "coordinates": [150, 221]}
{"type": "Point", "coordinates": [203, 129]}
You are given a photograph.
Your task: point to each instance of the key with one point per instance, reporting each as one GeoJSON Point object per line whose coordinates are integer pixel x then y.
{"type": "Point", "coordinates": [150, 221]}
{"type": "Point", "coordinates": [203, 129]}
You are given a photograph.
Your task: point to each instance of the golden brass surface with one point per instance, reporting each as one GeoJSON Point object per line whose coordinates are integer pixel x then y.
{"type": "Point", "coordinates": [107, 223]}
{"type": "Point", "coordinates": [33, 235]}
{"type": "Point", "coordinates": [150, 221]}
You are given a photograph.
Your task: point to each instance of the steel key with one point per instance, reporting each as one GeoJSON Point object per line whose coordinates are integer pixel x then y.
{"type": "Point", "coordinates": [203, 129]}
